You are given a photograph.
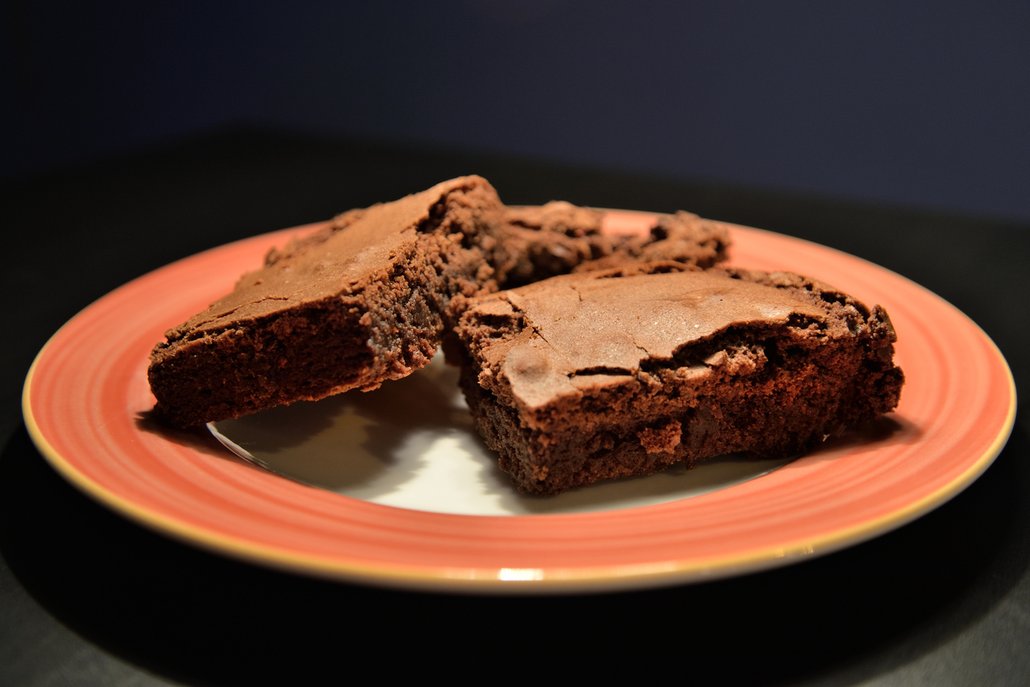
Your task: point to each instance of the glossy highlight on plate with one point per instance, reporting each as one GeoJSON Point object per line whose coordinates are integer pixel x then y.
{"type": "Point", "coordinates": [86, 404]}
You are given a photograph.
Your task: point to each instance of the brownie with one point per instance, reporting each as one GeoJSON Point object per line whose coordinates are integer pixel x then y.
{"type": "Point", "coordinates": [360, 302]}
{"type": "Point", "coordinates": [617, 373]}
{"type": "Point", "coordinates": [368, 297]}
{"type": "Point", "coordinates": [543, 241]}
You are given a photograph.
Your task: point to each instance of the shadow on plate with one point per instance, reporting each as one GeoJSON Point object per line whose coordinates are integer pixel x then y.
{"type": "Point", "coordinates": [195, 439]}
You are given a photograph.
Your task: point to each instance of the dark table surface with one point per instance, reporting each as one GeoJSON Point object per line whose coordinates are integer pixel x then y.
{"type": "Point", "coordinates": [90, 598]}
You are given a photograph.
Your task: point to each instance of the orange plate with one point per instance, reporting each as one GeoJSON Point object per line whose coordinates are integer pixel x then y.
{"type": "Point", "coordinates": [86, 397]}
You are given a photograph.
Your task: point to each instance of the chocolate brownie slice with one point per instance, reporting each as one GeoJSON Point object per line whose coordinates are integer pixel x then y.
{"type": "Point", "coordinates": [547, 240]}
{"type": "Point", "coordinates": [610, 374]}
{"type": "Point", "coordinates": [363, 301]}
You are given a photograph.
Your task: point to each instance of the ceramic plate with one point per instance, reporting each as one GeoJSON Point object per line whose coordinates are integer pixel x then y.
{"type": "Point", "coordinates": [392, 488]}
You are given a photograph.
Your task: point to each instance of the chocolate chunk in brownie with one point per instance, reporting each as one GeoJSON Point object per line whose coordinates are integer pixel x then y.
{"type": "Point", "coordinates": [360, 302]}
{"type": "Point", "coordinates": [548, 240]}
{"type": "Point", "coordinates": [611, 374]}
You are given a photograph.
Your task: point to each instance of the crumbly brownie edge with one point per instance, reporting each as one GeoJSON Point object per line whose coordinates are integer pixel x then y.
{"type": "Point", "coordinates": [679, 238]}
{"type": "Point", "coordinates": [538, 242]}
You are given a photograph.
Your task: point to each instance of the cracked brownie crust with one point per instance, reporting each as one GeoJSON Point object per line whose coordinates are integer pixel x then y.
{"type": "Point", "coordinates": [617, 373]}
{"type": "Point", "coordinates": [361, 302]}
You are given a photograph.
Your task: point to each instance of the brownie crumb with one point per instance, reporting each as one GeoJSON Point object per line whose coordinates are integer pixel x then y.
{"type": "Point", "coordinates": [662, 439]}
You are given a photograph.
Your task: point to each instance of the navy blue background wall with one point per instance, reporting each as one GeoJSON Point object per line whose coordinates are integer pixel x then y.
{"type": "Point", "coordinates": [923, 104]}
